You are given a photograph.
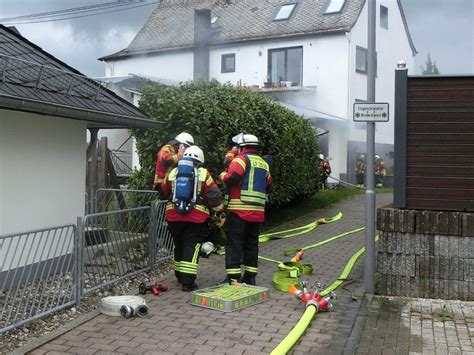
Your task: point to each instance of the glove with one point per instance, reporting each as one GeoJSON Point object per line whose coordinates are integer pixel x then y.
{"type": "Point", "coordinates": [221, 220]}
{"type": "Point", "coordinates": [222, 175]}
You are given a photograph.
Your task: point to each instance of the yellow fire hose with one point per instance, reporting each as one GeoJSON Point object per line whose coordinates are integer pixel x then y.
{"type": "Point", "coordinates": [263, 238]}
{"type": "Point", "coordinates": [295, 334]}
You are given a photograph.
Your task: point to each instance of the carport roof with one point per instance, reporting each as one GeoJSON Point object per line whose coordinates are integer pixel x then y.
{"type": "Point", "coordinates": [33, 80]}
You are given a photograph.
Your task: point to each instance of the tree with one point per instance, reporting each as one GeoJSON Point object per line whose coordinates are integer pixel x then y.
{"type": "Point", "coordinates": [213, 113]}
{"type": "Point", "coordinates": [430, 67]}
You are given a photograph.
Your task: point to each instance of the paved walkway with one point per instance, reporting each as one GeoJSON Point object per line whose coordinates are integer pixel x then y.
{"type": "Point", "coordinates": [176, 327]}
{"type": "Point", "coordinates": [413, 325]}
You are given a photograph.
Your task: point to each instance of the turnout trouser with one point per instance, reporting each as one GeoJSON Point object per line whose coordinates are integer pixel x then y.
{"type": "Point", "coordinates": [242, 246]}
{"type": "Point", "coordinates": [187, 238]}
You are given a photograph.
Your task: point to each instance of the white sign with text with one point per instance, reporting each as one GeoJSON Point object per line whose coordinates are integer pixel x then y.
{"type": "Point", "coordinates": [370, 112]}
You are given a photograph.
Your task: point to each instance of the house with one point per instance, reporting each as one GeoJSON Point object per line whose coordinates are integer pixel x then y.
{"type": "Point", "coordinates": [310, 55]}
{"type": "Point", "coordinates": [46, 108]}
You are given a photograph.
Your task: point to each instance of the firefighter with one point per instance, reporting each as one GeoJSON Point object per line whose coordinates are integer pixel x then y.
{"type": "Point", "coordinates": [248, 180]}
{"type": "Point", "coordinates": [325, 171]}
{"type": "Point", "coordinates": [380, 170]}
{"type": "Point", "coordinates": [361, 167]}
{"type": "Point", "coordinates": [187, 217]}
{"type": "Point", "coordinates": [168, 156]}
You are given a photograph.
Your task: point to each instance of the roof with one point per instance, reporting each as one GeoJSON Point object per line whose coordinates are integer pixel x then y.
{"type": "Point", "coordinates": [171, 25]}
{"type": "Point", "coordinates": [33, 80]}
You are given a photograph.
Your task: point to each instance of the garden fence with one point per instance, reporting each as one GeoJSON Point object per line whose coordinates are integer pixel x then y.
{"type": "Point", "coordinates": [46, 270]}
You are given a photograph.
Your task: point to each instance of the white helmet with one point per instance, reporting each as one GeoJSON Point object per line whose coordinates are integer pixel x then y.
{"type": "Point", "coordinates": [207, 248]}
{"type": "Point", "coordinates": [195, 153]}
{"type": "Point", "coordinates": [377, 157]}
{"type": "Point", "coordinates": [185, 138]}
{"type": "Point", "coordinates": [321, 156]}
{"type": "Point", "coordinates": [247, 140]}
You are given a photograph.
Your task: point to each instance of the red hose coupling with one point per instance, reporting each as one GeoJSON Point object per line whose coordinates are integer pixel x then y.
{"type": "Point", "coordinates": [299, 295]}
{"type": "Point", "coordinates": [298, 256]}
{"type": "Point", "coordinates": [324, 303]}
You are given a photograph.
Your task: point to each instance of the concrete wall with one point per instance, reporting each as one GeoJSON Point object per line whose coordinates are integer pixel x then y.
{"type": "Point", "coordinates": [425, 254]}
{"type": "Point", "coordinates": [42, 176]}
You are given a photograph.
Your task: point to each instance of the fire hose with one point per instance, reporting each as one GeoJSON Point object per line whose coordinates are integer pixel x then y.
{"type": "Point", "coordinates": [263, 238]}
{"type": "Point", "coordinates": [291, 270]}
{"type": "Point", "coordinates": [314, 302]}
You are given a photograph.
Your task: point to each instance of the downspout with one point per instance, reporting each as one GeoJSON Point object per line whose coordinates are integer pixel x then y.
{"type": "Point", "coordinates": [349, 94]}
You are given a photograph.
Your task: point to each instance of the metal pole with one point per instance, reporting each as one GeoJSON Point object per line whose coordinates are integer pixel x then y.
{"type": "Point", "coordinates": [369, 267]}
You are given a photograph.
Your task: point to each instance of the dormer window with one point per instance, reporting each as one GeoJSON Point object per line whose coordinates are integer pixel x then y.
{"type": "Point", "coordinates": [285, 12]}
{"type": "Point", "coordinates": [334, 6]}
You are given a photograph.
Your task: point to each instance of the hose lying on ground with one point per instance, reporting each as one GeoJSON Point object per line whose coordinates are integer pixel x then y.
{"type": "Point", "coordinates": [263, 238]}
{"type": "Point", "coordinates": [295, 334]}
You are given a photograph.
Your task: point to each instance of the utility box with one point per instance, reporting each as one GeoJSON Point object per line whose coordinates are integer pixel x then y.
{"type": "Point", "coordinates": [229, 298]}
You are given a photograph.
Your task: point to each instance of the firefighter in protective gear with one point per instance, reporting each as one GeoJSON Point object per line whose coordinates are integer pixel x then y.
{"type": "Point", "coordinates": [325, 171]}
{"type": "Point", "coordinates": [361, 167]}
{"type": "Point", "coordinates": [168, 156]}
{"type": "Point", "coordinates": [380, 170]}
{"type": "Point", "coordinates": [189, 229]}
{"type": "Point", "coordinates": [248, 179]}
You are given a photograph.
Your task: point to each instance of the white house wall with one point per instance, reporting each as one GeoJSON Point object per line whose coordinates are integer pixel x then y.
{"type": "Point", "coordinates": [177, 65]}
{"type": "Point", "coordinates": [42, 179]}
{"type": "Point", "coordinates": [392, 45]}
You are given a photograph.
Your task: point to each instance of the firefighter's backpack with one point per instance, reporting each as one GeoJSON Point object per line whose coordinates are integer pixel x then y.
{"type": "Point", "coordinates": [185, 186]}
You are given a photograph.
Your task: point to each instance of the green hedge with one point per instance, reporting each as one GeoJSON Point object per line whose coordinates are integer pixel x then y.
{"type": "Point", "coordinates": [213, 113]}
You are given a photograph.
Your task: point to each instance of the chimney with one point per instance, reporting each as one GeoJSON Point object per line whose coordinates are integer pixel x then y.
{"type": "Point", "coordinates": [202, 34]}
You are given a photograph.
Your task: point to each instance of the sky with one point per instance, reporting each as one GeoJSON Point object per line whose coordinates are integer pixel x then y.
{"type": "Point", "coordinates": [444, 28]}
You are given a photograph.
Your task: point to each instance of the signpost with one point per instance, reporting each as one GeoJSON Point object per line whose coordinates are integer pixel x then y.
{"type": "Point", "coordinates": [371, 112]}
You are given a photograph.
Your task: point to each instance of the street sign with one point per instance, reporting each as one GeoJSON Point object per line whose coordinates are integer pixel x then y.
{"type": "Point", "coordinates": [370, 112]}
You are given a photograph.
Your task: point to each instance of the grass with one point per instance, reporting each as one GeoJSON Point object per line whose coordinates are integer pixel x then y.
{"type": "Point", "coordinates": [320, 200]}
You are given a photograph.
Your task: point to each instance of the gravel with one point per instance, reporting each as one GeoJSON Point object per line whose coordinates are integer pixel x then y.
{"type": "Point", "coordinates": [20, 336]}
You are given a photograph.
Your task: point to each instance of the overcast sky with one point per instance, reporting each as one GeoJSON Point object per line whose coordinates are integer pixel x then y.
{"type": "Point", "coordinates": [445, 28]}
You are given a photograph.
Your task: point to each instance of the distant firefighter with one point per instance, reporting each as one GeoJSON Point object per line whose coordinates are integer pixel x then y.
{"type": "Point", "coordinates": [361, 168]}
{"type": "Point", "coordinates": [325, 171]}
{"type": "Point", "coordinates": [380, 170]}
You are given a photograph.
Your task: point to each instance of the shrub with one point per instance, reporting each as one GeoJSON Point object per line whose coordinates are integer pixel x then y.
{"type": "Point", "coordinates": [213, 113]}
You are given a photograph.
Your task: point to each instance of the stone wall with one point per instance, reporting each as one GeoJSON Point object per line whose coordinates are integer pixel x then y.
{"type": "Point", "coordinates": [425, 254]}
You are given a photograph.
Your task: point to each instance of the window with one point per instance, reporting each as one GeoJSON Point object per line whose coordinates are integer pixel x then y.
{"type": "Point", "coordinates": [334, 6]}
{"type": "Point", "coordinates": [228, 63]}
{"type": "Point", "coordinates": [285, 12]}
{"type": "Point", "coordinates": [383, 17]}
{"type": "Point", "coordinates": [285, 64]}
{"type": "Point", "coordinates": [361, 60]}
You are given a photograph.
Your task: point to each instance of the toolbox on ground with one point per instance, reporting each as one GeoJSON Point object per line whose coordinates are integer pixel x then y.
{"type": "Point", "coordinates": [229, 298]}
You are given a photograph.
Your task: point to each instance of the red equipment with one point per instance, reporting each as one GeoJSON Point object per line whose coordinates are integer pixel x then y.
{"type": "Point", "coordinates": [154, 287]}
{"type": "Point", "coordinates": [321, 303]}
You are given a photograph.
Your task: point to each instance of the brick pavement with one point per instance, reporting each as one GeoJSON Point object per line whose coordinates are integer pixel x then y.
{"type": "Point", "coordinates": [418, 326]}
{"type": "Point", "coordinates": [176, 327]}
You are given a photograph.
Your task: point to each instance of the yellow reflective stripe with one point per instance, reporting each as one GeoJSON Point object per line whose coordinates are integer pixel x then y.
{"type": "Point", "coordinates": [202, 208]}
{"type": "Point", "coordinates": [172, 174]}
{"type": "Point", "coordinates": [251, 175]}
{"type": "Point", "coordinates": [191, 265]}
{"type": "Point", "coordinates": [209, 181]}
{"type": "Point", "coordinates": [246, 208]}
{"type": "Point", "coordinates": [197, 248]}
{"type": "Point", "coordinates": [251, 269]}
{"type": "Point", "coordinates": [259, 200]}
{"type": "Point", "coordinates": [233, 271]}
{"type": "Point", "coordinates": [240, 162]}
{"type": "Point", "coordinates": [254, 193]}
{"type": "Point", "coordinates": [238, 205]}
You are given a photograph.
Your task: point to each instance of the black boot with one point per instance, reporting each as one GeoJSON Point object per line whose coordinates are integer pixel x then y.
{"type": "Point", "coordinates": [189, 287]}
{"type": "Point", "coordinates": [248, 279]}
{"type": "Point", "coordinates": [231, 278]}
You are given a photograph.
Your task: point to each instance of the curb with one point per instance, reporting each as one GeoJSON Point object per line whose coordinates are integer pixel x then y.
{"type": "Point", "coordinates": [358, 325]}
{"type": "Point", "coordinates": [35, 343]}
